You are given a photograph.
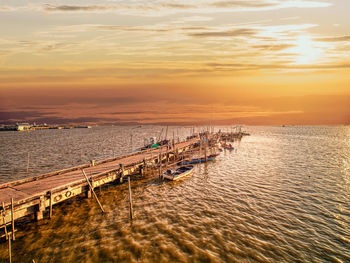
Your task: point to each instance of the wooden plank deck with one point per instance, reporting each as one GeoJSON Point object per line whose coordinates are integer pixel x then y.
{"type": "Point", "coordinates": [31, 195]}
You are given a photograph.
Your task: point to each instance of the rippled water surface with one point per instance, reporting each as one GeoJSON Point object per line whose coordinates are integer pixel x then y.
{"type": "Point", "coordinates": [282, 196]}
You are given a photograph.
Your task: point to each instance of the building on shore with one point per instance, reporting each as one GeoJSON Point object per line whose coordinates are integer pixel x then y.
{"type": "Point", "coordinates": [23, 126]}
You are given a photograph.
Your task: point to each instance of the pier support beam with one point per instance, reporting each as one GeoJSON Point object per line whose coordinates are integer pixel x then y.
{"type": "Point", "coordinates": [13, 219]}
{"type": "Point", "coordinates": [121, 172]}
{"type": "Point", "coordinates": [88, 194]}
{"type": "Point", "coordinates": [39, 214]}
{"type": "Point", "coordinates": [131, 211]}
{"type": "Point", "coordinates": [50, 215]}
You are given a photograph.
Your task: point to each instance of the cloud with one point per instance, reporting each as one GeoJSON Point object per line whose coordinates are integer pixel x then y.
{"type": "Point", "coordinates": [99, 8]}
{"type": "Point", "coordinates": [178, 6]}
{"type": "Point", "coordinates": [5, 8]}
{"type": "Point", "coordinates": [251, 4]}
{"type": "Point", "coordinates": [334, 39]}
{"type": "Point", "coordinates": [170, 7]}
{"type": "Point", "coordinates": [281, 66]}
{"type": "Point", "coordinates": [20, 115]}
{"type": "Point", "coordinates": [228, 33]}
{"type": "Point", "coordinates": [75, 8]}
{"type": "Point", "coordinates": [277, 47]}
{"type": "Point", "coordinates": [144, 29]}
{"type": "Point", "coordinates": [195, 19]}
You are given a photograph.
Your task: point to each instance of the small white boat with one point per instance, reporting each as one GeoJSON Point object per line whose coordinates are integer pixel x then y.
{"type": "Point", "coordinates": [178, 173]}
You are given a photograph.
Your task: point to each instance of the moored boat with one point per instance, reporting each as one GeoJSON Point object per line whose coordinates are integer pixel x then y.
{"type": "Point", "coordinates": [227, 146]}
{"type": "Point", "coordinates": [199, 160]}
{"type": "Point", "coordinates": [178, 173]}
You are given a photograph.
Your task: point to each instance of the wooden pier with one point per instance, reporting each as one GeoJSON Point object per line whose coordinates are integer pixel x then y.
{"type": "Point", "coordinates": [37, 195]}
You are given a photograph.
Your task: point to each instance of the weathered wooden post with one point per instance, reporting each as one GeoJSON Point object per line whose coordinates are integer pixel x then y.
{"type": "Point", "coordinates": [10, 256]}
{"type": "Point", "coordinates": [131, 212]}
{"type": "Point", "coordinates": [39, 215]}
{"type": "Point", "coordinates": [143, 167]}
{"type": "Point", "coordinates": [121, 172]}
{"type": "Point", "coordinates": [50, 204]}
{"type": "Point", "coordinates": [89, 192]}
{"type": "Point", "coordinates": [3, 212]}
{"type": "Point", "coordinates": [160, 164]}
{"type": "Point", "coordinates": [152, 162]}
{"type": "Point", "coordinates": [13, 219]}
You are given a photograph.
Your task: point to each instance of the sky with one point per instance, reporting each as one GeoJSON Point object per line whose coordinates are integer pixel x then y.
{"type": "Point", "coordinates": [255, 62]}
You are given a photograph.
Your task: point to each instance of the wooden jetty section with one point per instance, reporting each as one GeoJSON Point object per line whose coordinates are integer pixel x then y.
{"type": "Point", "coordinates": [37, 195]}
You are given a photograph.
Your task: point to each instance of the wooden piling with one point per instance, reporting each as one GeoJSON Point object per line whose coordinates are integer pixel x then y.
{"type": "Point", "coordinates": [121, 172]}
{"type": "Point", "coordinates": [10, 256]}
{"type": "Point", "coordinates": [39, 214]}
{"type": "Point", "coordinates": [50, 204]}
{"type": "Point", "coordinates": [4, 219]}
{"type": "Point", "coordinates": [144, 167]}
{"type": "Point", "coordinates": [160, 164]}
{"type": "Point", "coordinates": [131, 212]}
{"type": "Point", "coordinates": [13, 220]}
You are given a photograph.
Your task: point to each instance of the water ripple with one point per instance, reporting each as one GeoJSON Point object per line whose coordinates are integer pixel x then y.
{"type": "Point", "coordinates": [282, 196]}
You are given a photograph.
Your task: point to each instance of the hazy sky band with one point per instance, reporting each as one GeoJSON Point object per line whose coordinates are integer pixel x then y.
{"type": "Point", "coordinates": [217, 58]}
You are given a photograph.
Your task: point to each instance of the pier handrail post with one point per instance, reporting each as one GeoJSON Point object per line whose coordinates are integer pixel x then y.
{"type": "Point", "coordinates": [131, 212]}
{"type": "Point", "coordinates": [92, 190]}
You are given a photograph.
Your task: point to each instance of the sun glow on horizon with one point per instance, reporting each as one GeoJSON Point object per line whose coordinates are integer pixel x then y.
{"type": "Point", "coordinates": [306, 51]}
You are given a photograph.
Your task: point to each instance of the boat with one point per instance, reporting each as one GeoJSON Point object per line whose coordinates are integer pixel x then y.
{"type": "Point", "coordinates": [199, 160]}
{"type": "Point", "coordinates": [230, 147]}
{"type": "Point", "coordinates": [227, 146]}
{"type": "Point", "coordinates": [178, 173]}
{"type": "Point", "coordinates": [152, 143]}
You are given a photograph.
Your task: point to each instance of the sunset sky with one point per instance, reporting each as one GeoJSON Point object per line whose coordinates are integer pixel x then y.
{"type": "Point", "coordinates": [160, 61]}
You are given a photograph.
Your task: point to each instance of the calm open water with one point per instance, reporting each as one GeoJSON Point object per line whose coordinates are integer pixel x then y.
{"type": "Point", "coordinates": [282, 196]}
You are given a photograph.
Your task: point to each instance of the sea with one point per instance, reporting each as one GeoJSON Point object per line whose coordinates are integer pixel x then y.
{"type": "Point", "coordinates": [282, 195]}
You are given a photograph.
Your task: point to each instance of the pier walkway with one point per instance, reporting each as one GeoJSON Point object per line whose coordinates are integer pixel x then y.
{"type": "Point", "coordinates": [37, 195]}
